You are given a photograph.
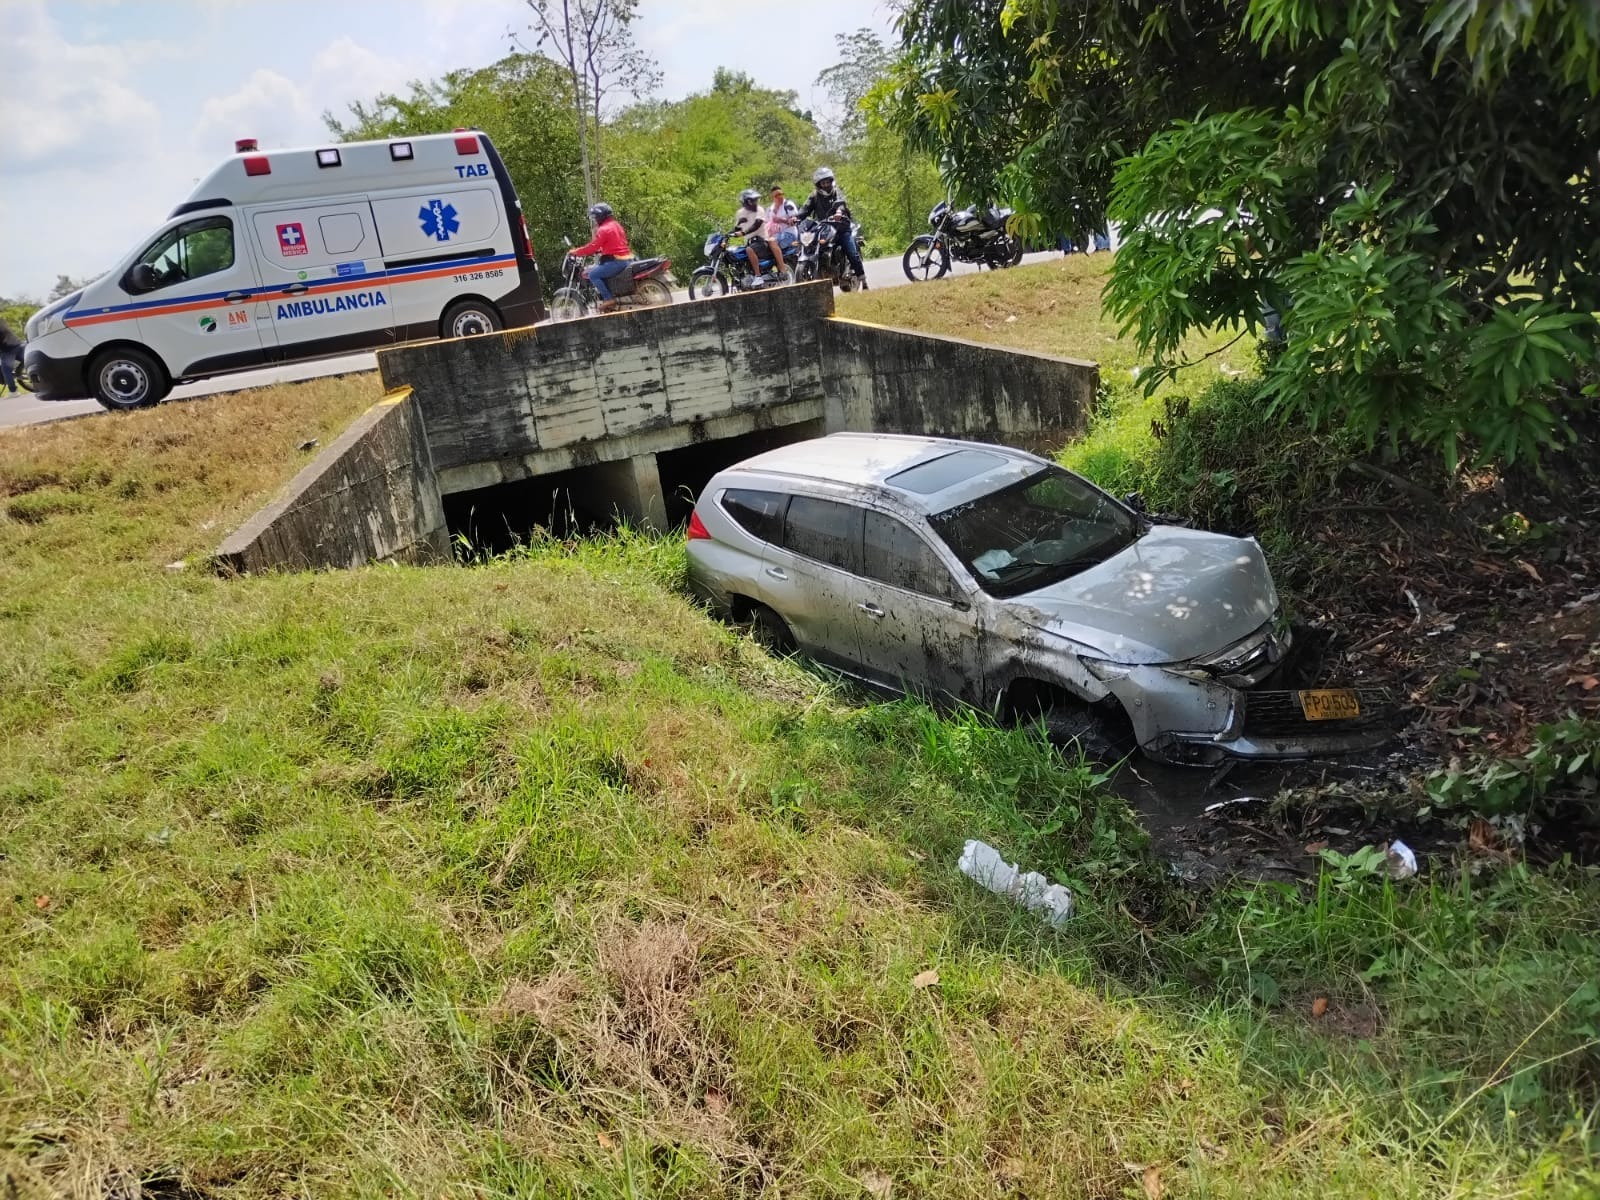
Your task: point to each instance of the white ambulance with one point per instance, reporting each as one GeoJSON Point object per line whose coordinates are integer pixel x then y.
{"type": "Point", "coordinates": [295, 254]}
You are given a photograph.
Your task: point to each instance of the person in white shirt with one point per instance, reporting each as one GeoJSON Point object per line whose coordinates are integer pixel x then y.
{"type": "Point", "coordinates": [781, 220]}
{"type": "Point", "coordinates": [750, 222]}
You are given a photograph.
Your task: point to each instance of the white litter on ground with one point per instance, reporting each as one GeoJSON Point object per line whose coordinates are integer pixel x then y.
{"type": "Point", "coordinates": [1402, 860]}
{"type": "Point", "coordinates": [982, 864]}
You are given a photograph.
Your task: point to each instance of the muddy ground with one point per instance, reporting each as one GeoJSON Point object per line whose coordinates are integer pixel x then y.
{"type": "Point", "coordinates": [1478, 607]}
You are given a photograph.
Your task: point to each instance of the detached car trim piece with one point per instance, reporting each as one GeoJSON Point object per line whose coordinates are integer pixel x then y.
{"type": "Point", "coordinates": [984, 575]}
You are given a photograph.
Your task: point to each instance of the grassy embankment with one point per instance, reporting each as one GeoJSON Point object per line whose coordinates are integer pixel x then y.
{"type": "Point", "coordinates": [530, 880]}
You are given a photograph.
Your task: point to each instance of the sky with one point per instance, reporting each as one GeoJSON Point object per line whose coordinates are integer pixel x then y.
{"type": "Point", "coordinates": [111, 110]}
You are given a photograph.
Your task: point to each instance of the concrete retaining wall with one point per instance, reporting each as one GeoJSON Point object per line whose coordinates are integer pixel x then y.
{"type": "Point", "coordinates": [512, 406]}
{"type": "Point", "coordinates": [370, 496]}
{"type": "Point", "coordinates": [894, 381]}
{"type": "Point", "coordinates": [605, 396]}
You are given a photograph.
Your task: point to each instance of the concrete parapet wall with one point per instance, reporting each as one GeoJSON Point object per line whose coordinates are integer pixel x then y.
{"type": "Point", "coordinates": [596, 390]}
{"type": "Point", "coordinates": [614, 398]}
{"type": "Point", "coordinates": [371, 496]}
{"type": "Point", "coordinates": [887, 380]}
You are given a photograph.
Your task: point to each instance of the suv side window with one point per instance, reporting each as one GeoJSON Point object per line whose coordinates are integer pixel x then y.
{"type": "Point", "coordinates": [825, 530]}
{"type": "Point", "coordinates": [191, 250]}
{"type": "Point", "coordinates": [895, 555]}
{"type": "Point", "coordinates": [760, 514]}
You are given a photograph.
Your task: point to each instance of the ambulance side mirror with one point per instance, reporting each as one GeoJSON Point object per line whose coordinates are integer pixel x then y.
{"type": "Point", "coordinates": [141, 278]}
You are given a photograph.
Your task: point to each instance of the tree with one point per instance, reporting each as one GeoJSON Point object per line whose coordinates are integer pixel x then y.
{"type": "Point", "coordinates": [15, 312]}
{"type": "Point", "coordinates": [65, 285]}
{"type": "Point", "coordinates": [523, 102]}
{"type": "Point", "coordinates": [1413, 187]}
{"type": "Point", "coordinates": [892, 185]}
{"type": "Point", "coordinates": [593, 40]}
{"type": "Point", "coordinates": [680, 166]}
{"type": "Point", "coordinates": [864, 61]}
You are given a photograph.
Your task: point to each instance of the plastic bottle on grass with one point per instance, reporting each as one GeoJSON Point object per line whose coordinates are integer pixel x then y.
{"type": "Point", "coordinates": [982, 864]}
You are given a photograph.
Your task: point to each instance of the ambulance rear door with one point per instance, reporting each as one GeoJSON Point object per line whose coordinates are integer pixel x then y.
{"type": "Point", "coordinates": [323, 277]}
{"type": "Point", "coordinates": [442, 243]}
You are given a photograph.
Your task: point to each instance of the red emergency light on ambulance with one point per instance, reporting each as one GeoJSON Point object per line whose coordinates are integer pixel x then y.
{"type": "Point", "coordinates": [285, 255]}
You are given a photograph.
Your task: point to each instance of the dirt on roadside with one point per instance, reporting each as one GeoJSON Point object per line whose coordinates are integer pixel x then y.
{"type": "Point", "coordinates": [1477, 606]}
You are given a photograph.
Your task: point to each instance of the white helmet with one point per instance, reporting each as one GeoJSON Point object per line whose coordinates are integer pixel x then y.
{"type": "Point", "coordinates": [820, 174]}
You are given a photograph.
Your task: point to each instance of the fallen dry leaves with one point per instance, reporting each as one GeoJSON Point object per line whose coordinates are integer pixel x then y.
{"type": "Point", "coordinates": [1149, 1178]}
{"type": "Point", "coordinates": [925, 979]}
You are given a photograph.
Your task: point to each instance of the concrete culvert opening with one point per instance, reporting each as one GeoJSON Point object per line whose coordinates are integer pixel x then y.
{"type": "Point", "coordinates": [495, 519]}
{"type": "Point", "coordinates": [687, 470]}
{"type": "Point", "coordinates": [595, 498]}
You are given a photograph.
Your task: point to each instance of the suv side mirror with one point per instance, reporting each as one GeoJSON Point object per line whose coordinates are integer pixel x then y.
{"type": "Point", "coordinates": [141, 278]}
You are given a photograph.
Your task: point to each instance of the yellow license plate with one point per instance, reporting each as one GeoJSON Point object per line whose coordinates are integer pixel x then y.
{"type": "Point", "coordinates": [1330, 704]}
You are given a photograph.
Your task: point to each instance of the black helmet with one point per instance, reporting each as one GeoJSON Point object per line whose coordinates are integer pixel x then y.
{"type": "Point", "coordinates": [600, 211]}
{"type": "Point", "coordinates": [749, 198]}
{"type": "Point", "coordinates": [823, 175]}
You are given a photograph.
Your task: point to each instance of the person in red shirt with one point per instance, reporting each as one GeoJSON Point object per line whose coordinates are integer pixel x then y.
{"type": "Point", "coordinates": [610, 241]}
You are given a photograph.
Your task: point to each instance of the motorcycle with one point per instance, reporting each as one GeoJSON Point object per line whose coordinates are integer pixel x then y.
{"type": "Point", "coordinates": [969, 235]}
{"type": "Point", "coordinates": [728, 266]}
{"type": "Point", "coordinates": [822, 251]}
{"type": "Point", "coordinates": [642, 285]}
{"type": "Point", "coordinates": [19, 372]}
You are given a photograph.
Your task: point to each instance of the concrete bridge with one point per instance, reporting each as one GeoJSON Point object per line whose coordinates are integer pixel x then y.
{"type": "Point", "coordinates": [629, 414]}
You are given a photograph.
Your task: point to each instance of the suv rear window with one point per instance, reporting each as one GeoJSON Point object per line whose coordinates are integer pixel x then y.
{"type": "Point", "coordinates": [825, 530]}
{"type": "Point", "coordinates": [760, 514]}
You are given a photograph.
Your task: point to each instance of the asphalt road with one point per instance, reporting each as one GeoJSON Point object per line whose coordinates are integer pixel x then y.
{"type": "Point", "coordinates": [23, 409]}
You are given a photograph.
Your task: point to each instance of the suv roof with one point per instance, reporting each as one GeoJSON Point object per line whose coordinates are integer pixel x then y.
{"type": "Point", "coordinates": [887, 460]}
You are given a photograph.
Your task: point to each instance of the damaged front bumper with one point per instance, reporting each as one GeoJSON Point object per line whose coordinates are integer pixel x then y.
{"type": "Point", "coordinates": [1180, 718]}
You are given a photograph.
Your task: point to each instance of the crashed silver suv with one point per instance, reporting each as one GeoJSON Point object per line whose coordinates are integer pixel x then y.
{"type": "Point", "coordinates": [976, 573]}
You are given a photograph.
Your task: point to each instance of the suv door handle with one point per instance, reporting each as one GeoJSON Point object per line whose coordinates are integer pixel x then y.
{"type": "Point", "coordinates": [294, 289]}
{"type": "Point", "coordinates": [777, 572]}
{"type": "Point", "coordinates": [871, 609]}
{"type": "Point", "coordinates": [236, 297]}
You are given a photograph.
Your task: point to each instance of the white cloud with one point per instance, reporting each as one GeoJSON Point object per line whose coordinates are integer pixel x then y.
{"type": "Point", "coordinates": [68, 103]}
{"type": "Point", "coordinates": [267, 106]}
{"type": "Point", "coordinates": [113, 110]}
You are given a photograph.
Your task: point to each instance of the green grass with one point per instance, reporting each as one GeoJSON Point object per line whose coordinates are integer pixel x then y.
{"type": "Point", "coordinates": [531, 880]}
{"type": "Point", "coordinates": [1053, 308]}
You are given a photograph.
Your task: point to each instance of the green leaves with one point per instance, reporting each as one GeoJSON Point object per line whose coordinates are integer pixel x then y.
{"type": "Point", "coordinates": [1493, 32]}
{"type": "Point", "coordinates": [1410, 189]}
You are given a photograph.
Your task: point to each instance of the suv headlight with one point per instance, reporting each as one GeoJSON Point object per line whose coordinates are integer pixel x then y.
{"type": "Point", "coordinates": [1104, 669]}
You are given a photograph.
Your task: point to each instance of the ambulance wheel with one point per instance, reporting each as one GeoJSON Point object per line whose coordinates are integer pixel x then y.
{"type": "Point", "coordinates": [126, 378]}
{"type": "Point", "coordinates": [468, 318]}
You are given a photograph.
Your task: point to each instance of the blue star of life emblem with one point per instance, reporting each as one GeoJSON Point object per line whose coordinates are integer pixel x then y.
{"type": "Point", "coordinates": [439, 219]}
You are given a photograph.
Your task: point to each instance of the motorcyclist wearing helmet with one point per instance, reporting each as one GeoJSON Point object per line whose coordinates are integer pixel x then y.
{"type": "Point", "coordinates": [610, 241]}
{"type": "Point", "coordinates": [751, 223]}
{"type": "Point", "coordinates": [822, 205]}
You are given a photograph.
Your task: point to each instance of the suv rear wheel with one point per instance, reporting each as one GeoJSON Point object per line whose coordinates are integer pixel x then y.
{"type": "Point", "coordinates": [771, 631]}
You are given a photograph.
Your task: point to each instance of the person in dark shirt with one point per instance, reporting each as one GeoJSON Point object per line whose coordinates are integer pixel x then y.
{"type": "Point", "coordinates": [10, 356]}
{"type": "Point", "coordinates": [822, 205]}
